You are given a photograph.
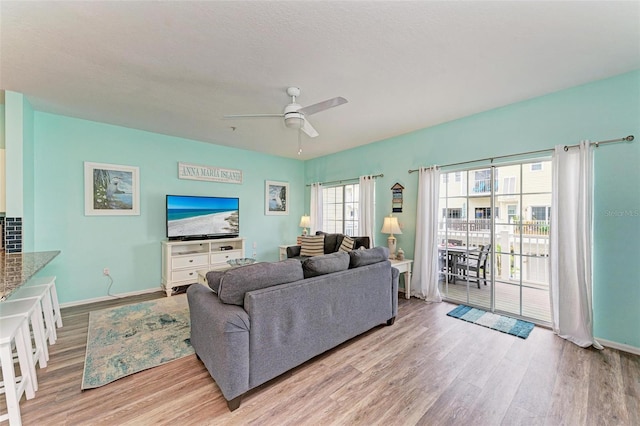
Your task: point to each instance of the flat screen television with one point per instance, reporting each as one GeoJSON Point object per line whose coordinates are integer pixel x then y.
{"type": "Point", "coordinates": [192, 217]}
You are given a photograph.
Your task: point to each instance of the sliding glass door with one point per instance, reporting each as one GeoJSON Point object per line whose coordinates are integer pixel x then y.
{"type": "Point", "coordinates": [465, 236]}
{"type": "Point", "coordinates": [494, 238]}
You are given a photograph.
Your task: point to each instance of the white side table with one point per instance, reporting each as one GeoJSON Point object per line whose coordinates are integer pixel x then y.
{"type": "Point", "coordinates": [404, 266]}
{"type": "Point", "coordinates": [202, 277]}
{"type": "Point", "coordinates": [283, 248]}
{"type": "Point", "coordinates": [202, 274]}
{"type": "Point", "coordinates": [283, 252]}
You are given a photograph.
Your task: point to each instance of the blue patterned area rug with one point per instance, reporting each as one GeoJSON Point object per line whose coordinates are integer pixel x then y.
{"type": "Point", "coordinates": [132, 338]}
{"type": "Point", "coordinates": [501, 323]}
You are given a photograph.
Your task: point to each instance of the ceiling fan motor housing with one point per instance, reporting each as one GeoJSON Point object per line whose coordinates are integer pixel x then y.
{"type": "Point", "coordinates": [293, 118]}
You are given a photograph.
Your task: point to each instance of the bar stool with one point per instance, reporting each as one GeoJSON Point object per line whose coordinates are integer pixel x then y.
{"type": "Point", "coordinates": [43, 294]}
{"type": "Point", "coordinates": [32, 311]}
{"type": "Point", "coordinates": [16, 329]}
{"type": "Point", "coordinates": [51, 282]}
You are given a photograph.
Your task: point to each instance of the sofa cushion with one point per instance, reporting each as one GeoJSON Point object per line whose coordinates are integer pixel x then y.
{"type": "Point", "coordinates": [331, 242]}
{"type": "Point", "coordinates": [213, 280]}
{"type": "Point", "coordinates": [358, 258]}
{"type": "Point", "coordinates": [237, 281]}
{"type": "Point", "coordinates": [361, 242]}
{"type": "Point", "coordinates": [312, 245]}
{"type": "Point", "coordinates": [325, 264]}
{"type": "Point", "coordinates": [347, 244]}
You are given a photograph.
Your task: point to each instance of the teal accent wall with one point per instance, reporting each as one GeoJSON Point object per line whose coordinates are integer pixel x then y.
{"type": "Point", "coordinates": [130, 245]}
{"type": "Point", "coordinates": [601, 110]}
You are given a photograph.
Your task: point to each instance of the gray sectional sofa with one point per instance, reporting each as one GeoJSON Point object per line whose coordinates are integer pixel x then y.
{"type": "Point", "coordinates": [255, 322]}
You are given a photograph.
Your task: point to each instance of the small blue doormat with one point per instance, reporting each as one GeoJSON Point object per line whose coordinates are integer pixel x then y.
{"type": "Point", "coordinates": [501, 323]}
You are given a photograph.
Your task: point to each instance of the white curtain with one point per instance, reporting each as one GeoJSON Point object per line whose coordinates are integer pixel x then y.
{"type": "Point", "coordinates": [316, 208]}
{"type": "Point", "coordinates": [367, 207]}
{"type": "Point", "coordinates": [571, 267]}
{"type": "Point", "coordinates": [425, 269]}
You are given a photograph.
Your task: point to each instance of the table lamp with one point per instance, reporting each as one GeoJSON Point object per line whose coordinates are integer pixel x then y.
{"type": "Point", "coordinates": [390, 226]}
{"type": "Point", "coordinates": [305, 222]}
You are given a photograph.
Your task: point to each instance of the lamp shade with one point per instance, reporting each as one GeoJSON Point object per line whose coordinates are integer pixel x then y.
{"type": "Point", "coordinates": [390, 225]}
{"type": "Point", "coordinates": [305, 222]}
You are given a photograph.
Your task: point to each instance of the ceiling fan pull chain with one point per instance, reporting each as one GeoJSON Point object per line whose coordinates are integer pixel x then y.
{"type": "Point", "coordinates": [299, 141]}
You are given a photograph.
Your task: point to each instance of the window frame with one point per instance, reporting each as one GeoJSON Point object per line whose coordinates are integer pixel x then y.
{"type": "Point", "coordinates": [349, 208]}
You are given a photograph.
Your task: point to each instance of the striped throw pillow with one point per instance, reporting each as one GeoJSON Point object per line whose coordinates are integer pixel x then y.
{"type": "Point", "coordinates": [312, 245]}
{"type": "Point", "coordinates": [347, 244]}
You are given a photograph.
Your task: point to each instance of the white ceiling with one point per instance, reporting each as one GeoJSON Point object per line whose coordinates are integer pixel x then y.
{"type": "Point", "coordinates": [177, 67]}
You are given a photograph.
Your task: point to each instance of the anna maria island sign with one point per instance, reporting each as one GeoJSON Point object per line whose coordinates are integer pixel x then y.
{"type": "Point", "coordinates": [213, 174]}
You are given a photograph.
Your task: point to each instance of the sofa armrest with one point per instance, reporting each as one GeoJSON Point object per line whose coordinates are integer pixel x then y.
{"type": "Point", "coordinates": [220, 337]}
{"type": "Point", "coordinates": [293, 251]}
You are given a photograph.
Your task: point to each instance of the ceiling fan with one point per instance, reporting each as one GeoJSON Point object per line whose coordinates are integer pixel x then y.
{"type": "Point", "coordinates": [295, 116]}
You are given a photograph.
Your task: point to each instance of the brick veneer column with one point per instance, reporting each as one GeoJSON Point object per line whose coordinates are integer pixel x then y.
{"type": "Point", "coordinates": [13, 234]}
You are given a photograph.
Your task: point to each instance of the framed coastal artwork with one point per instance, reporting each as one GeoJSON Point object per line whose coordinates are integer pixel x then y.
{"type": "Point", "coordinates": [111, 190]}
{"type": "Point", "coordinates": [276, 198]}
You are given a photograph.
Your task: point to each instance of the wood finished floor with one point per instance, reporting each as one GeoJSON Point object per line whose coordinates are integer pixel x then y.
{"type": "Point", "coordinates": [426, 369]}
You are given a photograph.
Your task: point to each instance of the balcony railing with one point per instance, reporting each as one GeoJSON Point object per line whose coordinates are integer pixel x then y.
{"type": "Point", "coordinates": [527, 227]}
{"type": "Point", "coordinates": [483, 186]}
{"type": "Point", "coordinates": [518, 255]}
{"type": "Point", "coordinates": [467, 224]}
{"type": "Point", "coordinates": [532, 227]}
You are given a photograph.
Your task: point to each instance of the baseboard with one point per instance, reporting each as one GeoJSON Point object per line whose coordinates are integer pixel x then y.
{"type": "Point", "coordinates": [619, 346]}
{"type": "Point", "coordinates": [115, 296]}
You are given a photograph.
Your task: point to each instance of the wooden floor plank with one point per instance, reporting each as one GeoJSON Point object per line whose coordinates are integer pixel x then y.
{"type": "Point", "coordinates": [630, 365]}
{"type": "Point", "coordinates": [607, 402]}
{"type": "Point", "coordinates": [497, 394]}
{"type": "Point", "coordinates": [452, 405]}
{"type": "Point", "coordinates": [533, 398]}
{"type": "Point", "coordinates": [570, 395]}
{"type": "Point", "coordinates": [427, 368]}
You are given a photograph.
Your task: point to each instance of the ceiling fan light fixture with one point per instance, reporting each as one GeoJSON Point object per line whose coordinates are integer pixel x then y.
{"type": "Point", "coordinates": [294, 120]}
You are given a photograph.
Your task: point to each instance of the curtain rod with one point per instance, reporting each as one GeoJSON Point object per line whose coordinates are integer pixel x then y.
{"type": "Point", "coordinates": [346, 180]}
{"type": "Point", "coordinates": [566, 148]}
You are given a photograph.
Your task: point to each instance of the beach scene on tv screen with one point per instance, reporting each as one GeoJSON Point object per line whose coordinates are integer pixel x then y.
{"type": "Point", "coordinates": [202, 216]}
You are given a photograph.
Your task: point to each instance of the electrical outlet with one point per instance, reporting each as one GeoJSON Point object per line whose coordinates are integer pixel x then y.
{"type": "Point", "coordinates": [254, 254]}
{"type": "Point", "coordinates": [255, 244]}
{"type": "Point", "coordinates": [105, 271]}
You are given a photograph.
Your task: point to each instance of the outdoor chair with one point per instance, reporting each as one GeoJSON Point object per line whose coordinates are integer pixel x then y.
{"type": "Point", "coordinates": [475, 262]}
{"type": "Point", "coordinates": [448, 261]}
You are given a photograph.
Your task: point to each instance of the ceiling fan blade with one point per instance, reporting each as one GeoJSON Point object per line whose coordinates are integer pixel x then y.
{"type": "Point", "coordinates": [226, 117]}
{"type": "Point", "coordinates": [321, 106]}
{"type": "Point", "coordinates": [308, 129]}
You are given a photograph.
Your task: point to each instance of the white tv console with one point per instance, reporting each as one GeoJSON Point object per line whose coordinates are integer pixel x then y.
{"type": "Point", "coordinates": [182, 259]}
